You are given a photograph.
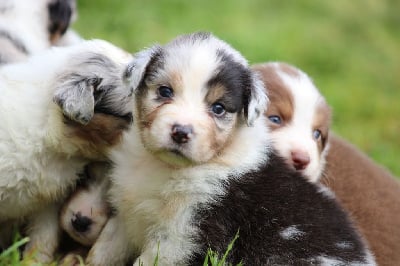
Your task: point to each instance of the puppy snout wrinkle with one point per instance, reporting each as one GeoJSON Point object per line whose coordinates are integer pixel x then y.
{"type": "Point", "coordinates": [300, 159]}
{"type": "Point", "coordinates": [81, 223]}
{"type": "Point", "coordinates": [181, 133]}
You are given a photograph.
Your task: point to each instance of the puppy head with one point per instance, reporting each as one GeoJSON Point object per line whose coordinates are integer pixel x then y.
{"type": "Point", "coordinates": [95, 92]}
{"type": "Point", "coordinates": [85, 213]}
{"type": "Point", "coordinates": [298, 116]}
{"type": "Point", "coordinates": [196, 92]}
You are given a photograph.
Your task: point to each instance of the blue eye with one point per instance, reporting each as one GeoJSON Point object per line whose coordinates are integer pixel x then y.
{"type": "Point", "coordinates": [218, 109]}
{"type": "Point", "coordinates": [275, 119]}
{"type": "Point", "coordinates": [317, 134]}
{"type": "Point", "coordinates": [165, 92]}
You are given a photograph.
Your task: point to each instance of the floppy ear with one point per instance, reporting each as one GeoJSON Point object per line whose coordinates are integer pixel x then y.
{"type": "Point", "coordinates": [136, 69]}
{"type": "Point", "coordinates": [75, 97]}
{"type": "Point", "coordinates": [257, 100]}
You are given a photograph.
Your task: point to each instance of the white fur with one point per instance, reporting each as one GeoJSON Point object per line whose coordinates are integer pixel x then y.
{"type": "Point", "coordinates": [38, 162]}
{"type": "Point", "coordinates": [28, 21]}
{"type": "Point", "coordinates": [155, 194]}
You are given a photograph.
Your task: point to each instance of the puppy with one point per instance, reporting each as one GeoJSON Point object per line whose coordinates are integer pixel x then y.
{"type": "Point", "coordinates": [86, 211]}
{"type": "Point", "coordinates": [197, 167]}
{"type": "Point", "coordinates": [29, 27]}
{"type": "Point", "coordinates": [298, 116]}
{"type": "Point", "coordinates": [361, 185]}
{"type": "Point", "coordinates": [58, 111]}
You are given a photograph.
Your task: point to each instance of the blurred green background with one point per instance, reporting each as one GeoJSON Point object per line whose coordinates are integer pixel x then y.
{"type": "Point", "coordinates": [350, 48]}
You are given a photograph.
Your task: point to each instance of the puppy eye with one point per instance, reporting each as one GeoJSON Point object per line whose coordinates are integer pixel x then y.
{"type": "Point", "coordinates": [317, 134]}
{"type": "Point", "coordinates": [218, 109]}
{"type": "Point", "coordinates": [165, 92]}
{"type": "Point", "coordinates": [275, 119]}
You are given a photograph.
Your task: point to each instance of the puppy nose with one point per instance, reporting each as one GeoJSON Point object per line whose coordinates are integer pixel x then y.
{"type": "Point", "coordinates": [181, 133]}
{"type": "Point", "coordinates": [81, 223]}
{"type": "Point", "coordinates": [300, 159]}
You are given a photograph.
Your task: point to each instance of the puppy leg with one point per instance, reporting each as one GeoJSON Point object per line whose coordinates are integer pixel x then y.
{"type": "Point", "coordinates": [44, 234]}
{"type": "Point", "coordinates": [112, 246]}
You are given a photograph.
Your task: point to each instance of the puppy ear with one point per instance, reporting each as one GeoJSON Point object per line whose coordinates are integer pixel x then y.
{"type": "Point", "coordinates": [257, 100]}
{"type": "Point", "coordinates": [75, 96]}
{"type": "Point", "coordinates": [136, 69]}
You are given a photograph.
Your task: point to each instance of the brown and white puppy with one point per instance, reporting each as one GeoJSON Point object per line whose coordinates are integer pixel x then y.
{"type": "Point", "coordinates": [29, 27]}
{"type": "Point", "coordinates": [298, 116]}
{"type": "Point", "coordinates": [196, 167]}
{"type": "Point", "coordinates": [58, 110]}
{"type": "Point", "coordinates": [366, 190]}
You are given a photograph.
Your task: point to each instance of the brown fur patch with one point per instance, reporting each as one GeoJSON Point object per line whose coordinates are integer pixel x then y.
{"type": "Point", "coordinates": [288, 69]}
{"type": "Point", "coordinates": [281, 99]}
{"type": "Point", "coordinates": [371, 195]}
{"type": "Point", "coordinates": [102, 132]}
{"type": "Point", "coordinates": [215, 93]}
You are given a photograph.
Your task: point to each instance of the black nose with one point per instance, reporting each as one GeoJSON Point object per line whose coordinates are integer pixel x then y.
{"type": "Point", "coordinates": [181, 133]}
{"type": "Point", "coordinates": [81, 223]}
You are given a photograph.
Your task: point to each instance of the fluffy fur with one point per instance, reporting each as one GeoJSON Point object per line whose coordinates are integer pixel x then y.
{"type": "Point", "coordinates": [29, 27]}
{"type": "Point", "coordinates": [298, 116]}
{"type": "Point", "coordinates": [58, 110]}
{"type": "Point", "coordinates": [197, 167]}
{"type": "Point", "coordinates": [370, 193]}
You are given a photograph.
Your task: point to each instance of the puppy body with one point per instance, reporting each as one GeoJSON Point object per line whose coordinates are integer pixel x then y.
{"type": "Point", "coordinates": [191, 156]}
{"type": "Point", "coordinates": [298, 116]}
{"type": "Point", "coordinates": [370, 193]}
{"type": "Point", "coordinates": [58, 110]}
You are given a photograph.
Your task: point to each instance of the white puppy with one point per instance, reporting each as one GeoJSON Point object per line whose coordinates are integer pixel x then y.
{"type": "Point", "coordinates": [197, 167]}
{"type": "Point", "coordinates": [58, 110]}
{"type": "Point", "coordinates": [298, 116]}
{"type": "Point", "coordinates": [29, 27]}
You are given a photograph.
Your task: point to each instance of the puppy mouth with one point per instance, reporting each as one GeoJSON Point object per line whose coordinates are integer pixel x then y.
{"type": "Point", "coordinates": [174, 157]}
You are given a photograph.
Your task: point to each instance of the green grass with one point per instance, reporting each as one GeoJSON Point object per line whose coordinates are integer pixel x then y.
{"type": "Point", "coordinates": [350, 48]}
{"type": "Point", "coordinates": [12, 255]}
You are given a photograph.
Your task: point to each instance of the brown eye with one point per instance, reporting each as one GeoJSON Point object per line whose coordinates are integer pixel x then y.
{"type": "Point", "coordinates": [218, 109]}
{"type": "Point", "coordinates": [317, 134]}
{"type": "Point", "coordinates": [165, 92]}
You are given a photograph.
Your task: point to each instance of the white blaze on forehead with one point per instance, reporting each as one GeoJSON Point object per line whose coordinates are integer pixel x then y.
{"type": "Point", "coordinates": [306, 97]}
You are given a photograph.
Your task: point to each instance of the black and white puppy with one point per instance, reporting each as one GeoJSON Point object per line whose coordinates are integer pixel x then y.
{"type": "Point", "coordinates": [59, 110]}
{"type": "Point", "coordinates": [197, 167]}
{"type": "Point", "coordinates": [30, 27]}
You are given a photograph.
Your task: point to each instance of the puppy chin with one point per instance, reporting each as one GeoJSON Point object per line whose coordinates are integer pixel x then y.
{"type": "Point", "coordinates": [174, 158]}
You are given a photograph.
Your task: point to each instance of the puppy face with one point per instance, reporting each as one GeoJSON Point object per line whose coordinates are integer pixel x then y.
{"type": "Point", "coordinates": [298, 116]}
{"type": "Point", "coordinates": [84, 215]}
{"type": "Point", "coordinates": [196, 92]}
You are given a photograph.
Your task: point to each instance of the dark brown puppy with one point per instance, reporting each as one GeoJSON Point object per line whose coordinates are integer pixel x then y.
{"type": "Point", "coordinates": [371, 195]}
